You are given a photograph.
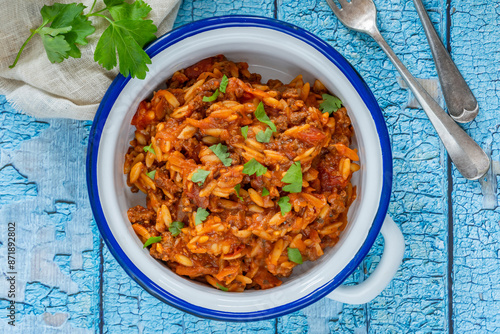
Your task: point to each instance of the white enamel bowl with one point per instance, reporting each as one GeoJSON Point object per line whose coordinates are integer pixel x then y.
{"type": "Point", "coordinates": [279, 51]}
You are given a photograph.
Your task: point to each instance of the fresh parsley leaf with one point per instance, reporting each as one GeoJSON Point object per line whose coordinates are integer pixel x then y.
{"type": "Point", "coordinates": [110, 3]}
{"type": "Point", "coordinates": [68, 16]}
{"type": "Point", "coordinates": [151, 241]}
{"type": "Point", "coordinates": [265, 192]}
{"type": "Point", "coordinates": [264, 137]}
{"type": "Point", "coordinates": [175, 228]}
{"type": "Point", "coordinates": [199, 176]}
{"type": "Point", "coordinates": [121, 10]}
{"type": "Point", "coordinates": [57, 48]}
{"type": "Point", "coordinates": [223, 84]}
{"type": "Point", "coordinates": [294, 255]}
{"type": "Point", "coordinates": [151, 174]}
{"type": "Point", "coordinates": [223, 288]}
{"type": "Point", "coordinates": [212, 98]}
{"type": "Point", "coordinates": [330, 104]}
{"type": "Point", "coordinates": [294, 177]}
{"type": "Point", "coordinates": [54, 31]}
{"type": "Point", "coordinates": [221, 152]}
{"type": "Point", "coordinates": [285, 206]}
{"type": "Point", "coordinates": [237, 189]}
{"type": "Point", "coordinates": [201, 215]}
{"type": "Point", "coordinates": [81, 27]}
{"type": "Point", "coordinates": [68, 27]}
{"type": "Point", "coordinates": [128, 32]}
{"type": "Point", "coordinates": [260, 114]}
{"type": "Point", "coordinates": [149, 148]}
{"type": "Point", "coordinates": [50, 13]}
{"type": "Point", "coordinates": [126, 37]}
{"type": "Point", "coordinates": [254, 167]}
{"type": "Point", "coordinates": [244, 131]}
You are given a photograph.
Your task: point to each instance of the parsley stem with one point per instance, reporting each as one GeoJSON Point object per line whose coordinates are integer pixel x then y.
{"type": "Point", "coordinates": [33, 32]}
{"type": "Point", "coordinates": [104, 16]}
{"type": "Point", "coordinates": [96, 13]}
{"type": "Point", "coordinates": [92, 8]}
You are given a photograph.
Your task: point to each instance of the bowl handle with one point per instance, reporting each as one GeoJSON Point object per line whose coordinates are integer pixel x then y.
{"type": "Point", "coordinates": [391, 259]}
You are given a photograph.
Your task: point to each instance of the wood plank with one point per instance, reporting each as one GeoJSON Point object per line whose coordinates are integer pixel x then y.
{"type": "Point", "coordinates": [416, 299]}
{"type": "Point", "coordinates": [475, 32]}
{"type": "Point", "coordinates": [42, 181]}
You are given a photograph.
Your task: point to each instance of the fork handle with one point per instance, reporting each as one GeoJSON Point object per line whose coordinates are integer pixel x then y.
{"type": "Point", "coordinates": [469, 158]}
{"type": "Point", "coordinates": [461, 103]}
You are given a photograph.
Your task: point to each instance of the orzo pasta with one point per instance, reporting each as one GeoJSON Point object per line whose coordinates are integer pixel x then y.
{"type": "Point", "coordinates": [244, 180]}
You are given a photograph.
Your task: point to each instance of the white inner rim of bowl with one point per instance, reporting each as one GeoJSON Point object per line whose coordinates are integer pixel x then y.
{"type": "Point", "coordinates": [274, 55]}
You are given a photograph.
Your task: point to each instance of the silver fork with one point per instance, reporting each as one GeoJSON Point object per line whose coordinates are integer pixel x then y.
{"type": "Point", "coordinates": [469, 158]}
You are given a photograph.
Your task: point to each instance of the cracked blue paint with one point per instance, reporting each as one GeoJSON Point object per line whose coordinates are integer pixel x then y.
{"type": "Point", "coordinates": [41, 298]}
{"type": "Point", "coordinates": [16, 127]}
{"type": "Point", "coordinates": [476, 288]}
{"type": "Point", "coordinates": [42, 190]}
{"type": "Point", "coordinates": [130, 309]}
{"type": "Point", "coordinates": [86, 128]}
{"type": "Point", "coordinates": [61, 216]}
{"type": "Point", "coordinates": [196, 10]}
{"type": "Point", "coordinates": [14, 186]}
{"type": "Point", "coordinates": [59, 244]}
{"type": "Point", "coordinates": [63, 261]}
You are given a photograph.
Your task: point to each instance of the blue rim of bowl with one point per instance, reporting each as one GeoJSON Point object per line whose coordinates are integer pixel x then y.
{"type": "Point", "coordinates": [172, 38]}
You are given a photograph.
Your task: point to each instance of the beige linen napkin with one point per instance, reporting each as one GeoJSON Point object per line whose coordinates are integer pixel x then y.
{"type": "Point", "coordinates": [71, 89]}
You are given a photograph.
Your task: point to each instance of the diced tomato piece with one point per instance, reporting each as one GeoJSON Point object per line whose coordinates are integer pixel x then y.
{"type": "Point", "coordinates": [143, 116]}
{"type": "Point", "coordinates": [312, 135]}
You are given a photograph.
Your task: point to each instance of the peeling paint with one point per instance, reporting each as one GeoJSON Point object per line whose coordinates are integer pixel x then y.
{"type": "Point", "coordinates": [16, 127]}
{"type": "Point", "coordinates": [475, 32]}
{"type": "Point", "coordinates": [14, 186]}
{"type": "Point", "coordinates": [430, 85]}
{"type": "Point", "coordinates": [55, 320]}
{"type": "Point", "coordinates": [60, 245]}
{"type": "Point", "coordinates": [61, 216]}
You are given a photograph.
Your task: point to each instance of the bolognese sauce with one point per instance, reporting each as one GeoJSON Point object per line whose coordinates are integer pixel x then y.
{"type": "Point", "coordinates": [244, 180]}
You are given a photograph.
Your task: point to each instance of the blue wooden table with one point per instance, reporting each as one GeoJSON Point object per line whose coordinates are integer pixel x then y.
{"type": "Point", "coordinates": [68, 282]}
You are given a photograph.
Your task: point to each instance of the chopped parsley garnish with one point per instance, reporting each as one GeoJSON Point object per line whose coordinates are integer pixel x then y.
{"type": "Point", "coordinates": [223, 84]}
{"type": "Point", "coordinates": [285, 206]}
{"type": "Point", "coordinates": [265, 192]}
{"type": "Point", "coordinates": [223, 288]}
{"type": "Point", "coordinates": [260, 114]}
{"type": "Point", "coordinates": [294, 255]}
{"type": "Point", "coordinates": [175, 228]}
{"type": "Point", "coordinates": [200, 176]}
{"type": "Point", "coordinates": [244, 131]}
{"type": "Point", "coordinates": [264, 137]}
{"type": "Point", "coordinates": [330, 104]}
{"type": "Point", "coordinates": [254, 167]}
{"type": "Point", "coordinates": [149, 149]}
{"type": "Point", "coordinates": [237, 189]}
{"type": "Point", "coordinates": [212, 98]}
{"type": "Point", "coordinates": [201, 215]}
{"type": "Point", "coordinates": [151, 174]}
{"type": "Point", "coordinates": [151, 241]}
{"type": "Point", "coordinates": [294, 177]}
{"type": "Point", "coordinates": [221, 152]}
